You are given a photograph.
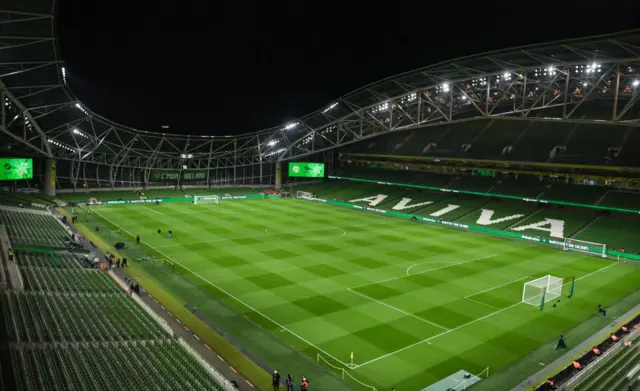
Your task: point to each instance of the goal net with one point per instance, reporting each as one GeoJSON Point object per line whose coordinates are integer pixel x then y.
{"type": "Point", "coordinates": [304, 194]}
{"type": "Point", "coordinates": [549, 287]}
{"type": "Point", "coordinates": [585, 246]}
{"type": "Point", "coordinates": [207, 199]}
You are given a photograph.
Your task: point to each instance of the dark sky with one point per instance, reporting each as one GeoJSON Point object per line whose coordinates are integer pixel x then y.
{"type": "Point", "coordinates": [229, 67]}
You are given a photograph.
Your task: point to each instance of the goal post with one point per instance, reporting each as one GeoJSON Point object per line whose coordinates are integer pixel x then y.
{"type": "Point", "coordinates": [206, 199]}
{"type": "Point", "coordinates": [304, 194]}
{"type": "Point", "coordinates": [585, 246]}
{"type": "Point", "coordinates": [545, 288]}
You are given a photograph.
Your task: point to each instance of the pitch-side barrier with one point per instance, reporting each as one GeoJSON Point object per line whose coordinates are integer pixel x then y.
{"type": "Point", "coordinates": [172, 200]}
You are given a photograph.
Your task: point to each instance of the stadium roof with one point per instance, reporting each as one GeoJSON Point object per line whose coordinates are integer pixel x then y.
{"type": "Point", "coordinates": [42, 116]}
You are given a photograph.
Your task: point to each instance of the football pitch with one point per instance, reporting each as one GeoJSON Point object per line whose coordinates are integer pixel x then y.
{"type": "Point", "coordinates": [413, 302]}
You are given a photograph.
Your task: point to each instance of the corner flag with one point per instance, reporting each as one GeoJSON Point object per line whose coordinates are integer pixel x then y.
{"type": "Point", "coordinates": [352, 358]}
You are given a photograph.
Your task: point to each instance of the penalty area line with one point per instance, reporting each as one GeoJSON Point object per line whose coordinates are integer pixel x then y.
{"type": "Point", "coordinates": [428, 262]}
{"type": "Point", "coordinates": [481, 303]}
{"type": "Point", "coordinates": [232, 296]}
{"type": "Point", "coordinates": [398, 309]}
{"type": "Point", "coordinates": [468, 323]}
{"type": "Point", "coordinates": [436, 336]}
{"type": "Point", "coordinates": [425, 271]}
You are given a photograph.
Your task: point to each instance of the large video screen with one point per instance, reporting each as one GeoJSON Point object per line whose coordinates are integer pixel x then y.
{"type": "Point", "coordinates": [16, 169]}
{"type": "Point", "coordinates": [306, 170]}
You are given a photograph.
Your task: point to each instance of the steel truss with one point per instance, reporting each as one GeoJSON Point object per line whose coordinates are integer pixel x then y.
{"type": "Point", "coordinates": [593, 79]}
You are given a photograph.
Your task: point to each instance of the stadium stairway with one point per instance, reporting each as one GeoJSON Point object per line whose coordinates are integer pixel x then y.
{"type": "Point", "coordinates": [178, 328]}
{"type": "Point", "coordinates": [74, 327]}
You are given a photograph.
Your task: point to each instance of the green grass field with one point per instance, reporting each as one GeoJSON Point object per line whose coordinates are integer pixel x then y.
{"type": "Point", "coordinates": [415, 303]}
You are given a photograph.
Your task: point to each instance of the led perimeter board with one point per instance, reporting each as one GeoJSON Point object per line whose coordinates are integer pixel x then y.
{"type": "Point", "coordinates": [306, 170]}
{"type": "Point", "coordinates": [16, 169]}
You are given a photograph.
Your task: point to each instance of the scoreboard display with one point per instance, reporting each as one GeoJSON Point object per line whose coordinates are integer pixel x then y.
{"type": "Point", "coordinates": [15, 169]}
{"type": "Point", "coordinates": [306, 170]}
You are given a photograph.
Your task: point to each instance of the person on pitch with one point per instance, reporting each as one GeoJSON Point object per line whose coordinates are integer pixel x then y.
{"type": "Point", "coordinates": [602, 310]}
{"type": "Point", "coordinates": [289, 382]}
{"type": "Point", "coordinates": [275, 380]}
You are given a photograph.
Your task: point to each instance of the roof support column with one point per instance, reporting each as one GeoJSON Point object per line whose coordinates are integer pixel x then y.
{"type": "Point", "coordinates": [278, 184]}
{"type": "Point", "coordinates": [49, 187]}
{"type": "Point", "coordinates": [614, 115]}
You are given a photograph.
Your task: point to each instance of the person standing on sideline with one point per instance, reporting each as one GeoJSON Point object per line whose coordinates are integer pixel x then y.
{"type": "Point", "coordinates": [289, 381]}
{"type": "Point", "coordinates": [304, 384]}
{"type": "Point", "coordinates": [10, 253]}
{"type": "Point", "coordinates": [275, 377]}
{"type": "Point", "coordinates": [138, 240]}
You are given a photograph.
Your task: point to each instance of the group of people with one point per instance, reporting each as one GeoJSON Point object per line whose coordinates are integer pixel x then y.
{"type": "Point", "coordinates": [134, 287]}
{"type": "Point", "coordinates": [109, 259]}
{"type": "Point", "coordinates": [304, 382]}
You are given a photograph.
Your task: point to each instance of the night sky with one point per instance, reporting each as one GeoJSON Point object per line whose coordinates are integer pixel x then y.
{"type": "Point", "coordinates": [209, 67]}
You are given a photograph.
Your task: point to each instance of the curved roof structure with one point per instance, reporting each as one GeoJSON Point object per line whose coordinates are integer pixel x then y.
{"type": "Point", "coordinates": [41, 115]}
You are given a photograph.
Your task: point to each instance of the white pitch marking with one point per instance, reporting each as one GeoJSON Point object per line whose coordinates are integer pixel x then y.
{"type": "Point", "coordinates": [496, 287]}
{"type": "Point", "coordinates": [262, 236]}
{"type": "Point", "coordinates": [427, 262]}
{"type": "Point", "coordinates": [468, 323]}
{"type": "Point", "coordinates": [425, 271]}
{"type": "Point", "coordinates": [397, 309]}
{"type": "Point", "coordinates": [481, 303]}
{"type": "Point", "coordinates": [326, 227]}
{"type": "Point", "coordinates": [155, 211]}
{"type": "Point", "coordinates": [233, 297]}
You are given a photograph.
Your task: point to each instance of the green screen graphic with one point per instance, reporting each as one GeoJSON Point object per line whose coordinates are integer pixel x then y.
{"type": "Point", "coordinates": [306, 170]}
{"type": "Point", "coordinates": [16, 169]}
{"type": "Point", "coordinates": [164, 176]}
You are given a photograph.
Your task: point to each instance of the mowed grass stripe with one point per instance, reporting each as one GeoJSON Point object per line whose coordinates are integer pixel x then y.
{"type": "Point", "coordinates": [302, 284]}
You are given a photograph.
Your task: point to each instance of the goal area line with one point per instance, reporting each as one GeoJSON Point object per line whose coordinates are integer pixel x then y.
{"type": "Point", "coordinates": [468, 323]}
{"type": "Point", "coordinates": [320, 350]}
